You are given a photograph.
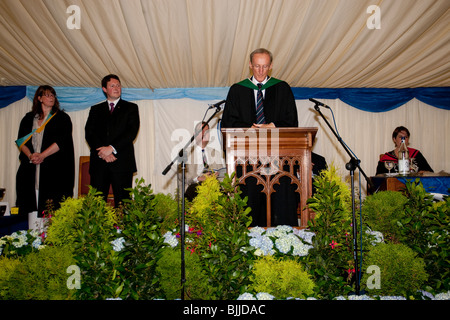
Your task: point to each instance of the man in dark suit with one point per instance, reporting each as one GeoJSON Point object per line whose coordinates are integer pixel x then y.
{"type": "Point", "coordinates": [111, 129]}
{"type": "Point", "coordinates": [262, 101]}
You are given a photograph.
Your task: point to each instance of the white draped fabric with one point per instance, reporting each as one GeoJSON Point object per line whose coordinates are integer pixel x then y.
{"type": "Point", "coordinates": [166, 125]}
{"type": "Point", "coordinates": [206, 43]}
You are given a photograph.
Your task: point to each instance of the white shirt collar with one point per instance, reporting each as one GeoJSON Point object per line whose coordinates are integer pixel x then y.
{"type": "Point", "coordinates": [252, 79]}
{"type": "Point", "coordinates": [115, 102]}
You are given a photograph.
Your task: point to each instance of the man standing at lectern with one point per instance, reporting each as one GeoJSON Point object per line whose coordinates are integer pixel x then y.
{"type": "Point", "coordinates": [278, 103]}
{"type": "Point", "coordinates": [262, 101]}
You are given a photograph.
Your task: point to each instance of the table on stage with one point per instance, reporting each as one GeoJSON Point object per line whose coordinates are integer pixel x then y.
{"type": "Point", "coordinates": [432, 182]}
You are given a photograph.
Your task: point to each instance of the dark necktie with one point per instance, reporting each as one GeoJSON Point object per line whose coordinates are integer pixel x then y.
{"type": "Point", "coordinates": [112, 107]}
{"type": "Point", "coordinates": [205, 161]}
{"type": "Point", "coordinates": [259, 106]}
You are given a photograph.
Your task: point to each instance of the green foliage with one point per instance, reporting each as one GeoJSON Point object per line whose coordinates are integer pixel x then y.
{"type": "Point", "coordinates": [219, 213]}
{"type": "Point", "coordinates": [94, 231]}
{"type": "Point", "coordinates": [196, 286]}
{"type": "Point", "coordinates": [60, 231]}
{"type": "Point", "coordinates": [382, 210]}
{"type": "Point", "coordinates": [401, 271]}
{"type": "Point", "coordinates": [39, 275]}
{"type": "Point", "coordinates": [282, 278]}
{"type": "Point", "coordinates": [166, 207]}
{"type": "Point", "coordinates": [424, 228]}
{"type": "Point", "coordinates": [332, 254]}
{"type": "Point", "coordinates": [333, 195]}
{"type": "Point", "coordinates": [141, 231]}
{"type": "Point", "coordinates": [8, 267]}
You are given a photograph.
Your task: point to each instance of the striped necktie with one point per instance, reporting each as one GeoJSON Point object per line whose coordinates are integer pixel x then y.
{"type": "Point", "coordinates": [205, 161]}
{"type": "Point", "coordinates": [259, 106]}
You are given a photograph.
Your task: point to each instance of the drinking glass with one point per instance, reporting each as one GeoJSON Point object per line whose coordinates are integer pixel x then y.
{"type": "Point", "coordinates": [389, 165]}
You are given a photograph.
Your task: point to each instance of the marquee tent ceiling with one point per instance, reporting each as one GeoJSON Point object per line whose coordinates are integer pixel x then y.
{"type": "Point", "coordinates": [206, 43]}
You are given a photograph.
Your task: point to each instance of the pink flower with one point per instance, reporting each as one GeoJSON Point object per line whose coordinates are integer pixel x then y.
{"type": "Point", "coordinates": [333, 244]}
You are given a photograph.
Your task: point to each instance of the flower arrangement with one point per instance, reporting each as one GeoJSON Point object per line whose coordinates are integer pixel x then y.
{"type": "Point", "coordinates": [132, 252]}
{"type": "Point", "coordinates": [20, 243]}
{"type": "Point", "coordinates": [280, 240]}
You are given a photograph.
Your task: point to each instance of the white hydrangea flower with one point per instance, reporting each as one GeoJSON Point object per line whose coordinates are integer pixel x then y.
{"type": "Point", "coordinates": [283, 244]}
{"type": "Point", "coordinates": [264, 296]}
{"type": "Point", "coordinates": [34, 233]}
{"type": "Point", "coordinates": [22, 241]}
{"type": "Point", "coordinates": [36, 243]}
{"type": "Point", "coordinates": [170, 239]}
{"type": "Point", "coordinates": [361, 297]}
{"type": "Point", "coordinates": [284, 228]}
{"type": "Point", "coordinates": [304, 235]}
{"type": "Point", "coordinates": [263, 243]}
{"type": "Point", "coordinates": [391, 298]}
{"type": "Point", "coordinates": [442, 296]}
{"type": "Point", "coordinates": [246, 296]}
{"type": "Point", "coordinates": [255, 231]}
{"type": "Point", "coordinates": [118, 244]}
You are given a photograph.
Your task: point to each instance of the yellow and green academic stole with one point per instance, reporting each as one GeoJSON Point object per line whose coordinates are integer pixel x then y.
{"type": "Point", "coordinates": [249, 84]}
{"type": "Point", "coordinates": [21, 141]}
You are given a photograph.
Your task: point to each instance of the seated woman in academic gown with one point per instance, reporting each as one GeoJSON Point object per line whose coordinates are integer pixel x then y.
{"type": "Point", "coordinates": [418, 159]}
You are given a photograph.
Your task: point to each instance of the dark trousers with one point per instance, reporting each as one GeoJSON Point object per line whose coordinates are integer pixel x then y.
{"type": "Point", "coordinates": [104, 178]}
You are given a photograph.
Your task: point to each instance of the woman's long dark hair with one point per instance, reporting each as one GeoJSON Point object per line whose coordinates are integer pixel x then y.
{"type": "Point", "coordinates": [37, 108]}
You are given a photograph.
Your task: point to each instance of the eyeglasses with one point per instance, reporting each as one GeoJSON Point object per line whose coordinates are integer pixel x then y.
{"type": "Point", "coordinates": [49, 95]}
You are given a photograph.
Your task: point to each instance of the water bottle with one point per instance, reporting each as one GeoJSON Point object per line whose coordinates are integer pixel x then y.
{"type": "Point", "coordinates": [403, 158]}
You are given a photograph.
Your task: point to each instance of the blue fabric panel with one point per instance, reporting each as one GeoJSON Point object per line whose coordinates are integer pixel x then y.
{"type": "Point", "coordinates": [11, 94]}
{"type": "Point", "coordinates": [367, 99]}
{"type": "Point", "coordinates": [438, 97]}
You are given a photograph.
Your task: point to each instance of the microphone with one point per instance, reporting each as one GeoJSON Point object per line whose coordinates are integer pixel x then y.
{"type": "Point", "coordinates": [319, 103]}
{"type": "Point", "coordinates": [217, 105]}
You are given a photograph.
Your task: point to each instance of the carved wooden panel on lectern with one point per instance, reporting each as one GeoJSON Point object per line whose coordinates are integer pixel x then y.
{"type": "Point", "coordinates": [269, 155]}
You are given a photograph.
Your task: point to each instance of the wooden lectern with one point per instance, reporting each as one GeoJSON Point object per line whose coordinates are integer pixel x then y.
{"type": "Point", "coordinates": [268, 155]}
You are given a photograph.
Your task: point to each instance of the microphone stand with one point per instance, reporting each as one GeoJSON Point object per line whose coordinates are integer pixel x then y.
{"type": "Point", "coordinates": [181, 159]}
{"type": "Point", "coordinates": [351, 166]}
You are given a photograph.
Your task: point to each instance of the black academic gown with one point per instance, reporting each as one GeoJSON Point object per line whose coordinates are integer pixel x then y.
{"type": "Point", "coordinates": [57, 172]}
{"type": "Point", "coordinates": [279, 108]}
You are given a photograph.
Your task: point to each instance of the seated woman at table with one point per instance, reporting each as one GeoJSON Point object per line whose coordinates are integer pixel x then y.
{"type": "Point", "coordinates": [417, 159]}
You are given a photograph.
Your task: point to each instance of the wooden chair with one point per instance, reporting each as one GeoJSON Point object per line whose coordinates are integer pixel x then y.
{"type": "Point", "coordinates": [84, 179]}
